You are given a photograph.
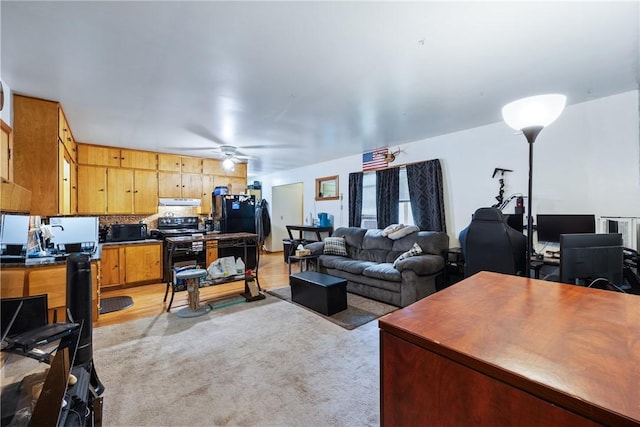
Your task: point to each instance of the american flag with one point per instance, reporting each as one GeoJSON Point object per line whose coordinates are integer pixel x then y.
{"type": "Point", "coordinates": [373, 160]}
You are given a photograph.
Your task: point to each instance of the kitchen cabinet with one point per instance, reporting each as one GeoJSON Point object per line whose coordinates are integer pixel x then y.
{"type": "Point", "coordinates": [186, 185]}
{"type": "Point", "coordinates": [212, 255]}
{"type": "Point", "coordinates": [208, 185]}
{"type": "Point", "coordinates": [131, 264]}
{"type": "Point", "coordinates": [119, 191]}
{"type": "Point", "coordinates": [169, 162]}
{"type": "Point", "coordinates": [110, 266]}
{"type": "Point", "coordinates": [145, 191]}
{"type": "Point", "coordinates": [143, 262]}
{"type": "Point", "coordinates": [176, 163]}
{"type": "Point", "coordinates": [214, 167]}
{"type": "Point", "coordinates": [65, 136]}
{"type": "Point", "coordinates": [36, 153]}
{"type": "Point", "coordinates": [116, 157]}
{"type": "Point", "coordinates": [69, 185]}
{"type": "Point", "coordinates": [116, 191]}
{"type": "Point", "coordinates": [6, 147]}
{"type": "Point", "coordinates": [191, 165]}
{"type": "Point", "coordinates": [52, 280]}
{"type": "Point", "coordinates": [92, 191]}
{"type": "Point", "coordinates": [191, 185]}
{"type": "Point", "coordinates": [236, 185]}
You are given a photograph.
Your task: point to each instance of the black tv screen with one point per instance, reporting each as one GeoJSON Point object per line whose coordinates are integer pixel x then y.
{"type": "Point", "coordinates": [551, 226]}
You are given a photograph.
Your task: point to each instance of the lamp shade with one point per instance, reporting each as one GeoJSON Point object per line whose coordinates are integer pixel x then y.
{"type": "Point", "coordinates": [541, 110]}
{"type": "Point", "coordinates": [227, 164]}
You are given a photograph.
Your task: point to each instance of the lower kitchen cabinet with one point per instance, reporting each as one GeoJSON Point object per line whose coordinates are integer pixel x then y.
{"type": "Point", "coordinates": [50, 280]}
{"type": "Point", "coordinates": [133, 263]}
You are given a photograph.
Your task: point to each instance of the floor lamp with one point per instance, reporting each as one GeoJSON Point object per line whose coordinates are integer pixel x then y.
{"type": "Point", "coordinates": [531, 115]}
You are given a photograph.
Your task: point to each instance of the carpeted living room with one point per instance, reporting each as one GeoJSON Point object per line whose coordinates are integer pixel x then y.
{"type": "Point", "coordinates": [320, 213]}
{"type": "Point", "coordinates": [269, 362]}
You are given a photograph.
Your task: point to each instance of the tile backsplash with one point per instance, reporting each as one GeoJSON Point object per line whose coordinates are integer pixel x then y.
{"type": "Point", "coordinates": [152, 220]}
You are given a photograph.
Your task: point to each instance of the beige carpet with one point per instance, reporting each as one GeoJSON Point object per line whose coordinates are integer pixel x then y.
{"type": "Point", "coordinates": [265, 363]}
{"type": "Point", "coordinates": [359, 310]}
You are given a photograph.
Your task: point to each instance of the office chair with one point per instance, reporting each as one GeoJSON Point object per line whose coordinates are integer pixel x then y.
{"type": "Point", "coordinates": [490, 244]}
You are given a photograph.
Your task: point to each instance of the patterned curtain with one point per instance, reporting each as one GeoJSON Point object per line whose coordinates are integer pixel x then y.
{"type": "Point", "coordinates": [387, 196]}
{"type": "Point", "coordinates": [355, 199]}
{"type": "Point", "coordinates": [426, 195]}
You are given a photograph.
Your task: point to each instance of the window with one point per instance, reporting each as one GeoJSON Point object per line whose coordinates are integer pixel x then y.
{"type": "Point", "coordinates": [369, 200]}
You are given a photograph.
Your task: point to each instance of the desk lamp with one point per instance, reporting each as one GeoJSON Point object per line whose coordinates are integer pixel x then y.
{"type": "Point", "coordinates": [531, 115]}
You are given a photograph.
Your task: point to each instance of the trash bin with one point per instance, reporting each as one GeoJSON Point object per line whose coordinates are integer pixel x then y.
{"type": "Point", "coordinates": [286, 244]}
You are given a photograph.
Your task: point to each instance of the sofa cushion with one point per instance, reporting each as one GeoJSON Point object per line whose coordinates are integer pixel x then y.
{"type": "Point", "coordinates": [335, 246]}
{"type": "Point", "coordinates": [384, 271]}
{"type": "Point", "coordinates": [415, 250]}
{"type": "Point", "coordinates": [391, 228]}
{"type": "Point", "coordinates": [403, 232]}
{"type": "Point", "coordinates": [345, 264]}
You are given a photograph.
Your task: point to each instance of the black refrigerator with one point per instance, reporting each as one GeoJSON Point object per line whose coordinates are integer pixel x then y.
{"type": "Point", "coordinates": [236, 213]}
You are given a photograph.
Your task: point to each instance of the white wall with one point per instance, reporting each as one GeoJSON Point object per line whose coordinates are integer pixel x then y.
{"type": "Point", "coordinates": [588, 161]}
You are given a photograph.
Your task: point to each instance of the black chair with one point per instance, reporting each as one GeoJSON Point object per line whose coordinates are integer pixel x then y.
{"type": "Point", "coordinates": [490, 244]}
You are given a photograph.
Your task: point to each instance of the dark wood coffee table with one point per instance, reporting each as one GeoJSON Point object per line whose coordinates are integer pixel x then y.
{"type": "Point", "coordinates": [318, 291]}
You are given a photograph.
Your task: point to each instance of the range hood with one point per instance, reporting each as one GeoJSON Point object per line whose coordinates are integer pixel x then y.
{"type": "Point", "coordinates": [178, 202]}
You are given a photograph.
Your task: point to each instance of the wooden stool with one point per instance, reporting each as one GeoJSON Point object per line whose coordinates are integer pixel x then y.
{"type": "Point", "coordinates": [192, 278]}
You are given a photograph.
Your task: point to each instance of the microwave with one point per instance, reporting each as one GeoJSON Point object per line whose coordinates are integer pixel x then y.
{"type": "Point", "coordinates": [124, 232]}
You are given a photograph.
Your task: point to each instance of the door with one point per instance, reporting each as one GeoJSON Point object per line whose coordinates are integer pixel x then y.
{"type": "Point", "coordinates": [143, 262]}
{"type": "Point", "coordinates": [286, 209]}
{"type": "Point", "coordinates": [169, 184]}
{"type": "Point", "coordinates": [208, 184]}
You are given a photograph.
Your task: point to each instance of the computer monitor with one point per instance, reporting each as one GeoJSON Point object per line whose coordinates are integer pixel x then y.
{"type": "Point", "coordinates": [551, 226]}
{"type": "Point", "coordinates": [589, 256]}
{"type": "Point", "coordinates": [32, 314]}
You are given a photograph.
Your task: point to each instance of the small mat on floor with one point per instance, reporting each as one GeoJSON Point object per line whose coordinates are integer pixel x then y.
{"type": "Point", "coordinates": [109, 305]}
{"type": "Point", "coordinates": [360, 310]}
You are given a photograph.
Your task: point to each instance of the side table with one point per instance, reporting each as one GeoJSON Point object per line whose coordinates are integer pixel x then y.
{"type": "Point", "coordinates": [192, 278]}
{"type": "Point", "coordinates": [304, 262]}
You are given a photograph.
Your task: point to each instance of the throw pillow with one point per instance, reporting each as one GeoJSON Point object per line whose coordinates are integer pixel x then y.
{"type": "Point", "coordinates": [415, 250]}
{"type": "Point", "coordinates": [403, 232]}
{"type": "Point", "coordinates": [391, 228]}
{"type": "Point", "coordinates": [335, 246]}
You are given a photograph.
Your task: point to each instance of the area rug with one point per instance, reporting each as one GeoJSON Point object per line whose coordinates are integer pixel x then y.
{"type": "Point", "coordinates": [109, 305]}
{"type": "Point", "coordinates": [262, 363]}
{"type": "Point", "coordinates": [359, 310]}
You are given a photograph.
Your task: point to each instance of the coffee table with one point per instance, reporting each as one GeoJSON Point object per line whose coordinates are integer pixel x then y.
{"type": "Point", "coordinates": [319, 292]}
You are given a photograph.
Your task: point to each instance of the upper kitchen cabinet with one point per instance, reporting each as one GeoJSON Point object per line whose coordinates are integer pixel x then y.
{"type": "Point", "coordinates": [37, 151]}
{"type": "Point", "coordinates": [6, 162]}
{"type": "Point", "coordinates": [99, 155]}
{"type": "Point", "coordinates": [145, 191]}
{"type": "Point", "coordinates": [169, 162]}
{"type": "Point", "coordinates": [191, 165]}
{"type": "Point", "coordinates": [214, 167]}
{"type": "Point", "coordinates": [186, 185]}
{"type": "Point", "coordinates": [176, 163]}
{"type": "Point", "coordinates": [92, 191]}
{"type": "Point", "coordinates": [65, 135]}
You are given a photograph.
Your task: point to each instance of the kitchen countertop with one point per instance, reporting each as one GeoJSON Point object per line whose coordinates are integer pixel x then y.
{"type": "Point", "coordinates": [47, 261]}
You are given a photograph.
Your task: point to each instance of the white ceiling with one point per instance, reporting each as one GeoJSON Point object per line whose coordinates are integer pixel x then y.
{"type": "Point", "coordinates": [293, 83]}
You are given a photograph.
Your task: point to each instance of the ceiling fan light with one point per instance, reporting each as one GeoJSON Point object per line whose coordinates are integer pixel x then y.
{"type": "Point", "coordinates": [227, 164]}
{"type": "Point", "coordinates": [541, 110]}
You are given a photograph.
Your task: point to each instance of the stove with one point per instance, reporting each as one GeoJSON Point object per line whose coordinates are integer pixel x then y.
{"type": "Point", "coordinates": [174, 226]}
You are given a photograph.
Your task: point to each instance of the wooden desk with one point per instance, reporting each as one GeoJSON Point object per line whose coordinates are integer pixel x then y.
{"type": "Point", "coordinates": [494, 350]}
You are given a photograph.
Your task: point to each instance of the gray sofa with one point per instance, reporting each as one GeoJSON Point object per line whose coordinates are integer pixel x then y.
{"type": "Point", "coordinates": [369, 269]}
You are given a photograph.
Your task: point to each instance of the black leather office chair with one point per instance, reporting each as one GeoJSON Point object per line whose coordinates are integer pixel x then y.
{"type": "Point", "coordinates": [490, 244]}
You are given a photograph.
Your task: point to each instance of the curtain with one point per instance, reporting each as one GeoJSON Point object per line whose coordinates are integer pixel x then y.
{"type": "Point", "coordinates": [355, 199]}
{"type": "Point", "coordinates": [387, 196]}
{"type": "Point", "coordinates": [427, 195]}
